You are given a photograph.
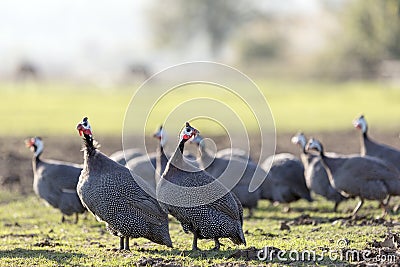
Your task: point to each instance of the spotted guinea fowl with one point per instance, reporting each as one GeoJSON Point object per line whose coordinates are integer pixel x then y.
{"type": "Point", "coordinates": [374, 149]}
{"type": "Point", "coordinates": [362, 176]}
{"type": "Point", "coordinates": [240, 171]}
{"type": "Point", "coordinates": [122, 201]}
{"type": "Point", "coordinates": [55, 181]}
{"type": "Point", "coordinates": [285, 182]}
{"type": "Point", "coordinates": [123, 156]}
{"type": "Point", "coordinates": [145, 166]}
{"type": "Point", "coordinates": [198, 201]}
{"type": "Point", "coordinates": [316, 177]}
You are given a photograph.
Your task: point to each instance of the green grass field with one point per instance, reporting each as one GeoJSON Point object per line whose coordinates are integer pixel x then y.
{"type": "Point", "coordinates": [31, 235]}
{"type": "Point", "coordinates": [49, 109]}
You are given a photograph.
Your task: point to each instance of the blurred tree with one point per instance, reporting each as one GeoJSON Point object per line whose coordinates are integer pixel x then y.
{"type": "Point", "coordinates": [177, 22]}
{"type": "Point", "coordinates": [370, 33]}
{"type": "Point", "coordinates": [262, 40]}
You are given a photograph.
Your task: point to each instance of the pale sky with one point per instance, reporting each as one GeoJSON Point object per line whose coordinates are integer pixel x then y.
{"type": "Point", "coordinates": [87, 34]}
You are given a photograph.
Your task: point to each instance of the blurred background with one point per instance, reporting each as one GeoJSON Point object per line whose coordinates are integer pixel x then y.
{"type": "Point", "coordinates": [108, 42]}
{"type": "Point", "coordinates": [319, 63]}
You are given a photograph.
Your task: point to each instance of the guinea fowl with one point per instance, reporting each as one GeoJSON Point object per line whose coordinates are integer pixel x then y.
{"type": "Point", "coordinates": [374, 149]}
{"type": "Point", "coordinates": [113, 195]}
{"type": "Point", "coordinates": [362, 176]}
{"type": "Point", "coordinates": [237, 153]}
{"type": "Point", "coordinates": [55, 181]}
{"type": "Point", "coordinates": [123, 156]}
{"type": "Point", "coordinates": [146, 165]}
{"type": "Point", "coordinates": [161, 158]}
{"type": "Point", "coordinates": [188, 194]}
{"type": "Point", "coordinates": [316, 177]}
{"type": "Point", "coordinates": [246, 169]}
{"type": "Point", "coordinates": [285, 182]}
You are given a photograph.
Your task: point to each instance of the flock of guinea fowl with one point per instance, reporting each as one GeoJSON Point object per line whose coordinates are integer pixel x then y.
{"type": "Point", "coordinates": [134, 193]}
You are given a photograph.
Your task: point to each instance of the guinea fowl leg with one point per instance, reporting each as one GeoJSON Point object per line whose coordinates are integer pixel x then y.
{"type": "Point", "coordinates": [127, 243]}
{"type": "Point", "coordinates": [357, 208]}
{"type": "Point", "coordinates": [85, 215]}
{"type": "Point", "coordinates": [286, 208]}
{"type": "Point", "coordinates": [336, 206]}
{"type": "Point", "coordinates": [387, 201]}
{"type": "Point", "coordinates": [385, 208]}
{"type": "Point", "coordinates": [250, 213]}
{"type": "Point", "coordinates": [194, 245]}
{"type": "Point", "coordinates": [76, 218]}
{"type": "Point", "coordinates": [62, 219]}
{"type": "Point", "coordinates": [217, 244]}
{"type": "Point", "coordinates": [121, 243]}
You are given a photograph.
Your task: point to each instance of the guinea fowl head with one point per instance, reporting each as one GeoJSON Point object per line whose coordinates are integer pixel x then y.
{"type": "Point", "coordinates": [299, 139]}
{"type": "Point", "coordinates": [187, 133]}
{"type": "Point", "coordinates": [84, 128]}
{"type": "Point", "coordinates": [161, 135]}
{"type": "Point", "coordinates": [361, 123]}
{"type": "Point", "coordinates": [35, 144]}
{"type": "Point", "coordinates": [314, 144]}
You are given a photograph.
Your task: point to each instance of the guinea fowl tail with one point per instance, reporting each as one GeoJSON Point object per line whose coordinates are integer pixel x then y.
{"type": "Point", "coordinates": [239, 238]}
{"type": "Point", "coordinates": [160, 235]}
{"type": "Point", "coordinates": [167, 240]}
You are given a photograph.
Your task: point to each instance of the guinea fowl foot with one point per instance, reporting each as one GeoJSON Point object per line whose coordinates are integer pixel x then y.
{"type": "Point", "coordinates": [217, 245]}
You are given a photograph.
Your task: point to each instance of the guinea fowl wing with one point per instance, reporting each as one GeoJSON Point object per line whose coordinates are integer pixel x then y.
{"type": "Point", "coordinates": [223, 204]}
{"type": "Point", "coordinates": [63, 176]}
{"type": "Point", "coordinates": [135, 196]}
{"type": "Point", "coordinates": [368, 168]}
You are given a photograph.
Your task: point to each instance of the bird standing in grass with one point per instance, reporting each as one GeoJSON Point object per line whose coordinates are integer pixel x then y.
{"type": "Point", "coordinates": [317, 179]}
{"type": "Point", "coordinates": [186, 192]}
{"type": "Point", "coordinates": [374, 149]}
{"type": "Point", "coordinates": [362, 176]}
{"type": "Point", "coordinates": [55, 181]}
{"type": "Point", "coordinates": [285, 182]}
{"type": "Point", "coordinates": [115, 196]}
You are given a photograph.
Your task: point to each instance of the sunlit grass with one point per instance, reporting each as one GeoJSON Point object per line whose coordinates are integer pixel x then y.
{"type": "Point", "coordinates": [51, 109]}
{"type": "Point", "coordinates": [27, 222]}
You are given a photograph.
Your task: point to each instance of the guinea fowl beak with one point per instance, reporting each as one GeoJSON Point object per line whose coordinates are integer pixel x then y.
{"type": "Point", "coordinates": [294, 140]}
{"type": "Point", "coordinates": [356, 124]}
{"type": "Point", "coordinates": [79, 127]}
{"type": "Point", "coordinates": [29, 142]}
